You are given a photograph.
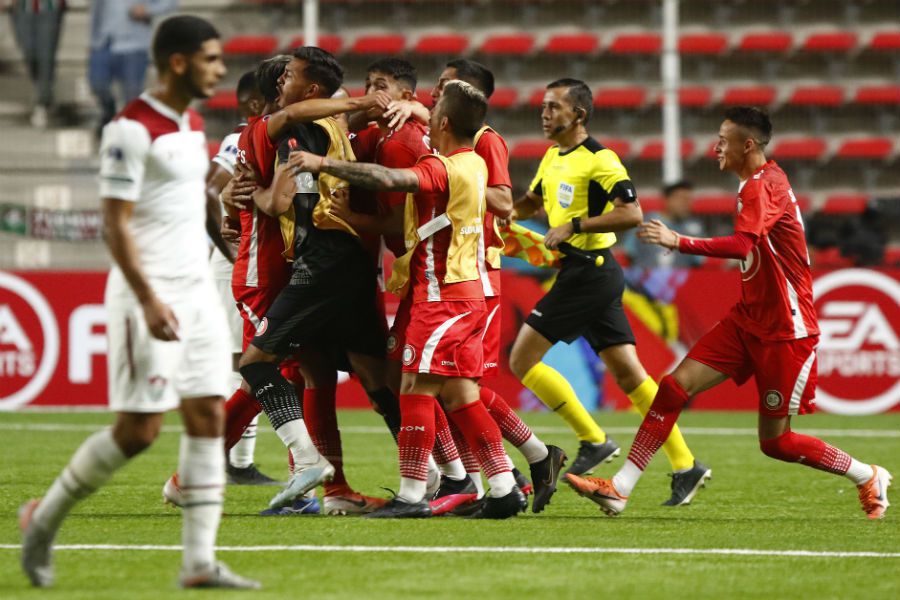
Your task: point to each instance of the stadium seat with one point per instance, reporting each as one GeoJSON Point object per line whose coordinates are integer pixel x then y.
{"type": "Point", "coordinates": [696, 96]}
{"type": "Point", "coordinates": [829, 258]}
{"type": "Point", "coordinates": [892, 256]}
{"type": "Point", "coordinates": [212, 147]}
{"type": "Point", "coordinates": [772, 41]}
{"type": "Point", "coordinates": [799, 149]}
{"type": "Point", "coordinates": [622, 97]}
{"type": "Point", "coordinates": [885, 40]}
{"type": "Point", "coordinates": [327, 42]}
{"type": "Point", "coordinates": [817, 95]}
{"type": "Point", "coordinates": [836, 41]}
{"type": "Point", "coordinates": [621, 147]}
{"type": "Point", "coordinates": [536, 97]}
{"type": "Point", "coordinates": [530, 149]}
{"type": "Point", "coordinates": [651, 204]}
{"type": "Point", "coordinates": [716, 204]}
{"type": "Point", "coordinates": [702, 43]}
{"type": "Point", "coordinates": [636, 43]}
{"type": "Point", "coordinates": [757, 95]}
{"type": "Point", "coordinates": [845, 204]}
{"type": "Point", "coordinates": [390, 43]}
{"type": "Point", "coordinates": [222, 100]}
{"type": "Point", "coordinates": [504, 98]}
{"type": "Point", "coordinates": [251, 44]}
{"type": "Point", "coordinates": [572, 43]}
{"type": "Point", "coordinates": [804, 202]}
{"type": "Point", "coordinates": [508, 44]}
{"type": "Point", "coordinates": [869, 148]}
{"type": "Point", "coordinates": [446, 43]}
{"type": "Point", "coordinates": [654, 149]}
{"type": "Point", "coordinates": [424, 96]}
{"type": "Point", "coordinates": [878, 94]}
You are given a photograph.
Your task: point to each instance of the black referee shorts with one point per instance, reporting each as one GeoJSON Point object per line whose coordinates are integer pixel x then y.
{"type": "Point", "coordinates": [585, 300]}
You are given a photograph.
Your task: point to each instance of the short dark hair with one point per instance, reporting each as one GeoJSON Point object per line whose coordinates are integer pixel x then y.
{"type": "Point", "coordinates": [247, 86]}
{"type": "Point", "coordinates": [754, 119]}
{"type": "Point", "coordinates": [682, 184]}
{"type": "Point", "coordinates": [401, 70]}
{"type": "Point", "coordinates": [268, 73]}
{"type": "Point", "coordinates": [322, 68]}
{"type": "Point", "coordinates": [473, 73]}
{"type": "Point", "coordinates": [465, 106]}
{"type": "Point", "coordinates": [578, 94]}
{"type": "Point", "coordinates": [183, 34]}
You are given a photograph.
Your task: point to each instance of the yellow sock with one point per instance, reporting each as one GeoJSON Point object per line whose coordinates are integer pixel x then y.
{"type": "Point", "coordinates": [676, 449]}
{"type": "Point", "coordinates": [557, 394]}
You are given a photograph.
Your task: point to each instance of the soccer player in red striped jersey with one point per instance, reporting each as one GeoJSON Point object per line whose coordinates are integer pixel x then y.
{"type": "Point", "coordinates": [770, 334]}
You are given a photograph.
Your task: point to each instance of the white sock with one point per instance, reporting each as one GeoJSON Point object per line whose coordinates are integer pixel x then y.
{"type": "Point", "coordinates": [627, 478]}
{"type": "Point", "coordinates": [501, 484]}
{"type": "Point", "coordinates": [201, 470]}
{"type": "Point", "coordinates": [296, 438]}
{"type": "Point", "coordinates": [241, 454]}
{"type": "Point", "coordinates": [453, 469]}
{"type": "Point", "coordinates": [511, 464]}
{"type": "Point", "coordinates": [479, 484]}
{"type": "Point", "coordinates": [90, 467]}
{"type": "Point", "coordinates": [411, 490]}
{"type": "Point", "coordinates": [859, 473]}
{"type": "Point", "coordinates": [534, 450]}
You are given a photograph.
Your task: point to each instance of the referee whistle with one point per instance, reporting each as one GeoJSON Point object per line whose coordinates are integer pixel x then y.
{"type": "Point", "coordinates": [570, 250]}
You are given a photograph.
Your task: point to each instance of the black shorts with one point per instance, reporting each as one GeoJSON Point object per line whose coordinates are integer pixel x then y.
{"type": "Point", "coordinates": [585, 300]}
{"type": "Point", "coordinates": [336, 313]}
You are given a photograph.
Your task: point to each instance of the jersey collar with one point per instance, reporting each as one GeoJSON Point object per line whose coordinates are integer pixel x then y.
{"type": "Point", "coordinates": [183, 119]}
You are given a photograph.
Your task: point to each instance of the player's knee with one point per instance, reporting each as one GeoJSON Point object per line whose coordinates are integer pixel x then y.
{"type": "Point", "coordinates": [782, 447]}
{"type": "Point", "coordinates": [136, 436]}
{"type": "Point", "coordinates": [521, 362]}
{"type": "Point", "coordinates": [258, 374]}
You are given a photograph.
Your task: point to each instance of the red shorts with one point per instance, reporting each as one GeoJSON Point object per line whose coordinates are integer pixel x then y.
{"type": "Point", "coordinates": [491, 339]}
{"type": "Point", "coordinates": [397, 334]}
{"type": "Point", "coordinates": [253, 303]}
{"type": "Point", "coordinates": [785, 372]}
{"type": "Point", "coordinates": [444, 338]}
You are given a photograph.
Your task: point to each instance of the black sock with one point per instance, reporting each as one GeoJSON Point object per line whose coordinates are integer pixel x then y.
{"type": "Point", "coordinates": [389, 407]}
{"type": "Point", "coordinates": [275, 394]}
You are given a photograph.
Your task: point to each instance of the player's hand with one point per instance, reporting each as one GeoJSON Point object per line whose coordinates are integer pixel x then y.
{"type": "Point", "coordinates": [238, 192]}
{"type": "Point", "coordinates": [398, 112]}
{"type": "Point", "coordinates": [231, 231]}
{"type": "Point", "coordinates": [305, 162]}
{"type": "Point", "coordinates": [160, 320]}
{"type": "Point", "coordinates": [340, 204]}
{"type": "Point", "coordinates": [656, 232]}
{"type": "Point", "coordinates": [379, 99]}
{"type": "Point", "coordinates": [557, 235]}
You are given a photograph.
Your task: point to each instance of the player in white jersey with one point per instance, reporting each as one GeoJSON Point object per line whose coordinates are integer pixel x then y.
{"type": "Point", "coordinates": [168, 344]}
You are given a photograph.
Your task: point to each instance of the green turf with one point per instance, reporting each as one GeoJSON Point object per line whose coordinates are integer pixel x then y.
{"type": "Point", "coordinates": [752, 502]}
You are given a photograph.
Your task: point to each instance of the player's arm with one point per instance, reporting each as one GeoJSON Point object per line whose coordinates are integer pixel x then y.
{"type": "Point", "coordinates": [278, 197]}
{"type": "Point", "coordinates": [318, 108]}
{"type": "Point", "coordinates": [527, 204]}
{"type": "Point", "coordinates": [737, 245]}
{"type": "Point", "coordinates": [364, 175]}
{"type": "Point", "coordinates": [391, 223]}
{"type": "Point", "coordinates": [400, 111]}
{"type": "Point", "coordinates": [216, 180]}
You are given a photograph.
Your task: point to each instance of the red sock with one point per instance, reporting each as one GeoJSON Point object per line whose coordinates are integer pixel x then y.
{"type": "Point", "coordinates": [465, 453]}
{"type": "Point", "coordinates": [239, 411]}
{"type": "Point", "coordinates": [445, 450]}
{"type": "Point", "coordinates": [416, 439]}
{"type": "Point", "coordinates": [658, 422]}
{"type": "Point", "coordinates": [812, 452]}
{"type": "Point", "coordinates": [514, 429]}
{"type": "Point", "coordinates": [321, 420]}
{"type": "Point", "coordinates": [483, 436]}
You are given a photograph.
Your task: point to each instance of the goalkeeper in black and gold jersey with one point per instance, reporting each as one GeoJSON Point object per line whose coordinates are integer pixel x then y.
{"type": "Point", "coordinates": [587, 195]}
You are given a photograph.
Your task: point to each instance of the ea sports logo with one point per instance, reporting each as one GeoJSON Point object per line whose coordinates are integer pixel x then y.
{"type": "Point", "coordinates": [859, 346]}
{"type": "Point", "coordinates": [29, 342]}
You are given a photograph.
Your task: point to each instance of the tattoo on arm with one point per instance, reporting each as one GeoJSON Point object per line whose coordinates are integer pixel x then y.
{"type": "Point", "coordinates": [372, 176]}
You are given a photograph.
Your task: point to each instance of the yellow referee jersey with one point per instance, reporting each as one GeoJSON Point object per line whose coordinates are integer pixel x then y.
{"type": "Point", "coordinates": [582, 183]}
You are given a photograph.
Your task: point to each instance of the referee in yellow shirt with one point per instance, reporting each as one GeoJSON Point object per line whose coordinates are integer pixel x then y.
{"type": "Point", "coordinates": [587, 195]}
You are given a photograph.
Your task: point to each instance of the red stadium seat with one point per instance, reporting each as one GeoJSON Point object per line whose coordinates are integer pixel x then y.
{"type": "Point", "coordinates": [870, 148]}
{"type": "Point", "coordinates": [222, 100]}
{"type": "Point", "coordinates": [390, 43]}
{"type": "Point", "coordinates": [773, 41]}
{"type": "Point", "coordinates": [718, 204]}
{"type": "Point", "coordinates": [696, 96]}
{"type": "Point", "coordinates": [878, 94]}
{"type": "Point", "coordinates": [836, 41]}
{"type": "Point", "coordinates": [504, 97]}
{"type": "Point", "coordinates": [702, 43]}
{"type": "Point", "coordinates": [651, 204]}
{"type": "Point", "coordinates": [212, 147]}
{"type": "Point", "coordinates": [636, 43]}
{"type": "Point", "coordinates": [758, 95]}
{"type": "Point", "coordinates": [508, 44]}
{"type": "Point", "coordinates": [329, 43]}
{"type": "Point", "coordinates": [653, 150]}
{"type": "Point", "coordinates": [711, 149]}
{"type": "Point", "coordinates": [251, 44]}
{"type": "Point", "coordinates": [892, 256]}
{"type": "Point", "coordinates": [817, 95]}
{"type": "Point", "coordinates": [572, 43]}
{"type": "Point", "coordinates": [536, 97]}
{"type": "Point", "coordinates": [829, 258]}
{"type": "Point", "coordinates": [804, 202]}
{"type": "Point", "coordinates": [623, 97]}
{"type": "Point", "coordinates": [530, 149]}
{"type": "Point", "coordinates": [845, 204]}
{"type": "Point", "coordinates": [447, 43]}
{"type": "Point", "coordinates": [800, 149]}
{"type": "Point", "coordinates": [424, 96]}
{"type": "Point", "coordinates": [885, 40]}
{"type": "Point", "coordinates": [621, 147]}
{"type": "Point", "coordinates": [355, 92]}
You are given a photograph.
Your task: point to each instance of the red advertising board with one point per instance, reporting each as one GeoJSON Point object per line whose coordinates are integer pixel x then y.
{"type": "Point", "coordinates": [53, 344]}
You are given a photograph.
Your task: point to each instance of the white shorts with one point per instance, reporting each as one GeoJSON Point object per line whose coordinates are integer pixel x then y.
{"type": "Point", "coordinates": [147, 375]}
{"type": "Point", "coordinates": [232, 315]}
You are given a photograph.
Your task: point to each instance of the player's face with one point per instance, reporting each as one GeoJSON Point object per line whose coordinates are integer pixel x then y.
{"type": "Point", "coordinates": [731, 149]}
{"type": "Point", "coordinates": [376, 81]}
{"type": "Point", "coordinates": [557, 114]}
{"type": "Point", "coordinates": [435, 123]}
{"type": "Point", "coordinates": [448, 74]}
{"type": "Point", "coordinates": [293, 84]}
{"type": "Point", "coordinates": [205, 69]}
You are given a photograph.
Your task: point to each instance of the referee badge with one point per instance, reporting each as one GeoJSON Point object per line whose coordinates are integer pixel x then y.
{"type": "Point", "coordinates": [565, 193]}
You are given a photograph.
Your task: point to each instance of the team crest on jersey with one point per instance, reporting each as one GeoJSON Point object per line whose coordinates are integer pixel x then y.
{"type": "Point", "coordinates": [565, 193]}
{"type": "Point", "coordinates": [409, 355]}
{"type": "Point", "coordinates": [392, 342]}
{"type": "Point", "coordinates": [773, 399]}
{"type": "Point", "coordinates": [262, 327]}
{"type": "Point", "coordinates": [157, 385]}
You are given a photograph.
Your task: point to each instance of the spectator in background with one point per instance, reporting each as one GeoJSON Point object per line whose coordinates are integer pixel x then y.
{"type": "Point", "coordinates": [120, 44]}
{"type": "Point", "coordinates": [677, 215]}
{"type": "Point", "coordinates": [37, 25]}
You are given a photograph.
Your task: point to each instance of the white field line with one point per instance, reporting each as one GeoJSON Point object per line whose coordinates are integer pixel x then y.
{"type": "Point", "coordinates": [484, 550]}
{"type": "Point", "coordinates": [366, 430]}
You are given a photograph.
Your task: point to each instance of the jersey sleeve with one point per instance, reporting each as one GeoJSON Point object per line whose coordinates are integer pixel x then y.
{"type": "Point", "coordinates": [124, 148]}
{"type": "Point", "coordinates": [432, 175]}
{"type": "Point", "coordinates": [226, 157]}
{"type": "Point", "coordinates": [612, 176]}
{"type": "Point", "coordinates": [395, 155]}
{"type": "Point", "coordinates": [751, 217]}
{"type": "Point", "coordinates": [493, 150]}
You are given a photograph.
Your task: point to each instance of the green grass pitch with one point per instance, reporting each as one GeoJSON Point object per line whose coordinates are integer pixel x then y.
{"type": "Point", "coordinates": [752, 503]}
